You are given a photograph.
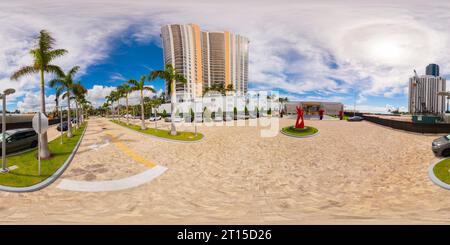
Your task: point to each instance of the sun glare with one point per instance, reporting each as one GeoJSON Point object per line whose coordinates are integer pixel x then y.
{"type": "Point", "coordinates": [386, 51]}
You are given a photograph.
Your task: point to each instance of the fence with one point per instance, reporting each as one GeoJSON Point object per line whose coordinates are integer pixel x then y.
{"type": "Point", "coordinates": [28, 124]}
{"type": "Point", "coordinates": [410, 126]}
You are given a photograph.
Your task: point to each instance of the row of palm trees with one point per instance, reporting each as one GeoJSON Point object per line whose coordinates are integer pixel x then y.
{"type": "Point", "coordinates": [169, 74]}
{"type": "Point", "coordinates": [72, 91]}
{"type": "Point", "coordinates": [43, 55]}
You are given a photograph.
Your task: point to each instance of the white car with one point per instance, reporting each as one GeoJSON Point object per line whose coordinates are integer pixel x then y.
{"type": "Point", "coordinates": [218, 119]}
{"type": "Point", "coordinates": [228, 118]}
{"type": "Point", "coordinates": [127, 116]}
{"type": "Point", "coordinates": [157, 118]}
{"type": "Point", "coordinates": [178, 119]}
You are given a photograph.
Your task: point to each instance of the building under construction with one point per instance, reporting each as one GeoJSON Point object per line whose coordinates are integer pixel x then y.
{"type": "Point", "coordinates": [427, 95]}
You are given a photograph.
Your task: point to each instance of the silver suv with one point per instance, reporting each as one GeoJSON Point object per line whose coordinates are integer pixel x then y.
{"type": "Point", "coordinates": [19, 139]}
{"type": "Point", "coordinates": [441, 146]}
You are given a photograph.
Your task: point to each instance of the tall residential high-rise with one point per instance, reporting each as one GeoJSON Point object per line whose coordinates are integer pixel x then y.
{"type": "Point", "coordinates": [432, 70]}
{"type": "Point", "coordinates": [424, 94]}
{"type": "Point", "coordinates": [206, 58]}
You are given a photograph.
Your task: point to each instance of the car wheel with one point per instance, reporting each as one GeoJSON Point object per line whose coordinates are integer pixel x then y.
{"type": "Point", "coordinates": [446, 153]}
{"type": "Point", "coordinates": [34, 144]}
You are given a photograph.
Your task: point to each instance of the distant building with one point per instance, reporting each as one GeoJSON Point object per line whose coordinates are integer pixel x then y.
{"type": "Point", "coordinates": [312, 108]}
{"type": "Point", "coordinates": [206, 58]}
{"type": "Point", "coordinates": [432, 70]}
{"type": "Point", "coordinates": [424, 92]}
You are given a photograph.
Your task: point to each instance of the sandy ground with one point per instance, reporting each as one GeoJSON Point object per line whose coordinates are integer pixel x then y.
{"type": "Point", "coordinates": [358, 173]}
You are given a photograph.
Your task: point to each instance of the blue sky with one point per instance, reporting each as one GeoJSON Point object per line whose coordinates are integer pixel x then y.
{"type": "Point", "coordinates": [308, 50]}
{"type": "Point", "coordinates": [127, 60]}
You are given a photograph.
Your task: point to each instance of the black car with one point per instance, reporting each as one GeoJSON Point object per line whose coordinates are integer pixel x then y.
{"type": "Point", "coordinates": [65, 126]}
{"type": "Point", "coordinates": [19, 139]}
{"type": "Point", "coordinates": [355, 119]}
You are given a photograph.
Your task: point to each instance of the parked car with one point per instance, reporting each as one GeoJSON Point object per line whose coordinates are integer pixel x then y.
{"type": "Point", "coordinates": [178, 119]}
{"type": "Point", "coordinates": [441, 146]}
{"type": "Point", "coordinates": [218, 119]}
{"type": "Point", "coordinates": [65, 126]}
{"type": "Point", "coordinates": [127, 116]}
{"type": "Point", "coordinates": [157, 118]}
{"type": "Point", "coordinates": [228, 118]}
{"type": "Point", "coordinates": [355, 119]}
{"type": "Point", "coordinates": [19, 139]}
{"type": "Point", "coordinates": [74, 120]}
{"type": "Point", "coordinates": [168, 119]}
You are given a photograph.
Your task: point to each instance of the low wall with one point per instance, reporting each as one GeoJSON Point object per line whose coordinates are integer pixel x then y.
{"type": "Point", "coordinates": [28, 124]}
{"type": "Point", "coordinates": [410, 126]}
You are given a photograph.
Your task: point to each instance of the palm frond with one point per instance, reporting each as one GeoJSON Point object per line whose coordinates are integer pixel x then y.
{"type": "Point", "coordinates": [26, 70]}
{"type": "Point", "coordinates": [45, 41]}
{"type": "Point", "coordinates": [180, 78]}
{"type": "Point", "coordinates": [73, 71]}
{"type": "Point", "coordinates": [149, 89]}
{"type": "Point", "coordinates": [53, 54]}
{"type": "Point", "coordinates": [65, 95]}
{"type": "Point", "coordinates": [55, 70]}
{"type": "Point", "coordinates": [133, 83]}
{"type": "Point", "coordinates": [55, 82]}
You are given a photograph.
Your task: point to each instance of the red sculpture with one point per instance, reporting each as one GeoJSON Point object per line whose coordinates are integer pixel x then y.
{"type": "Point", "coordinates": [300, 112]}
{"type": "Point", "coordinates": [341, 115]}
{"type": "Point", "coordinates": [321, 112]}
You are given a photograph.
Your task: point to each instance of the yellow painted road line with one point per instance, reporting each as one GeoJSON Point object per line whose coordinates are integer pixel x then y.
{"type": "Point", "coordinates": [131, 153]}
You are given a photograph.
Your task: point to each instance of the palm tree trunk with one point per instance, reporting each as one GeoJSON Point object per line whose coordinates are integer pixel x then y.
{"type": "Point", "coordinates": [142, 111]}
{"type": "Point", "coordinates": [112, 112]}
{"type": "Point", "coordinates": [118, 109]}
{"type": "Point", "coordinates": [127, 114]}
{"type": "Point", "coordinates": [77, 115]}
{"type": "Point", "coordinates": [69, 120]}
{"type": "Point", "coordinates": [45, 152]}
{"type": "Point", "coordinates": [173, 130]}
{"type": "Point", "coordinates": [57, 105]}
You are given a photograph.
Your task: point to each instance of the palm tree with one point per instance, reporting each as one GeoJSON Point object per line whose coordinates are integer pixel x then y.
{"type": "Point", "coordinates": [43, 54]}
{"type": "Point", "coordinates": [109, 101]}
{"type": "Point", "coordinates": [171, 76]}
{"type": "Point", "coordinates": [86, 108]}
{"type": "Point", "coordinates": [79, 92]}
{"type": "Point", "coordinates": [104, 109]}
{"type": "Point", "coordinates": [64, 83]}
{"type": "Point", "coordinates": [140, 86]}
{"type": "Point", "coordinates": [111, 98]}
{"type": "Point", "coordinates": [125, 90]}
{"type": "Point", "coordinates": [57, 102]}
{"type": "Point", "coordinates": [156, 102]}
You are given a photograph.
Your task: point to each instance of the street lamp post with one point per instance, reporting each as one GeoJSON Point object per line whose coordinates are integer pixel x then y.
{"type": "Point", "coordinates": [61, 122]}
{"type": "Point", "coordinates": [3, 96]}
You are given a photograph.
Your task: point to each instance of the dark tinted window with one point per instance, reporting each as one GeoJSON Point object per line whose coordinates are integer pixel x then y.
{"type": "Point", "coordinates": [22, 135]}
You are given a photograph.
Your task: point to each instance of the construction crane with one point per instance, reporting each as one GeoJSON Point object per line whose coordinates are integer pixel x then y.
{"type": "Point", "coordinates": [415, 83]}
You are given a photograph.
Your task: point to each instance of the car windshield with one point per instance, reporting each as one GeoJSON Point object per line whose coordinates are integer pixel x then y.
{"type": "Point", "coordinates": [447, 137]}
{"type": "Point", "coordinates": [6, 136]}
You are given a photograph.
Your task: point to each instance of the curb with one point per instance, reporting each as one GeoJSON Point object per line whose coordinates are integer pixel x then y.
{"type": "Point", "coordinates": [298, 136]}
{"type": "Point", "coordinates": [50, 179]}
{"type": "Point", "coordinates": [433, 177]}
{"type": "Point", "coordinates": [160, 138]}
{"type": "Point", "coordinates": [112, 185]}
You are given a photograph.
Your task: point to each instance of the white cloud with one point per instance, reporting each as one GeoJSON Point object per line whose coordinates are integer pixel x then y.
{"type": "Point", "coordinates": [298, 46]}
{"type": "Point", "coordinates": [96, 95]}
{"type": "Point", "coordinates": [32, 103]}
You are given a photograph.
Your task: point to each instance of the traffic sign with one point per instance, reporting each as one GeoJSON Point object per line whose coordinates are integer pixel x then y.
{"type": "Point", "coordinates": [40, 123]}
